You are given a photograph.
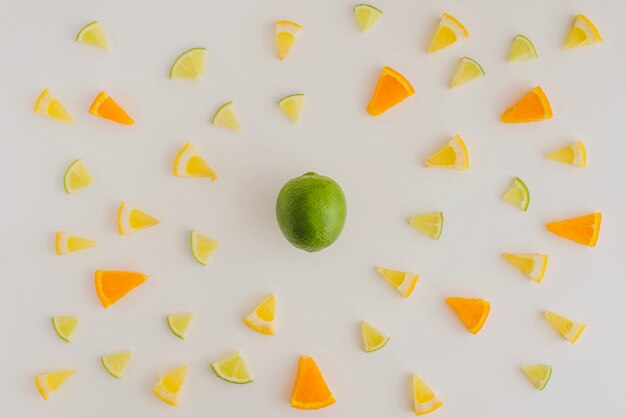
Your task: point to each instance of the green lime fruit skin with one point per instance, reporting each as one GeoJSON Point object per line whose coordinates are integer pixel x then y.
{"type": "Point", "coordinates": [311, 211]}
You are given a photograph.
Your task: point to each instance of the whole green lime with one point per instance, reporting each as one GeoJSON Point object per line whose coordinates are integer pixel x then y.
{"type": "Point", "coordinates": [311, 211]}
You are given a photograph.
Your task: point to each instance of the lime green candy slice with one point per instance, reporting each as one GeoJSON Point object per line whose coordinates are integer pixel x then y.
{"type": "Point", "coordinates": [76, 177]}
{"type": "Point", "coordinates": [93, 34]}
{"type": "Point", "coordinates": [190, 64]}
{"type": "Point", "coordinates": [373, 338]}
{"type": "Point", "coordinates": [366, 16]}
{"type": "Point", "coordinates": [538, 374]}
{"type": "Point", "coordinates": [233, 369]}
{"type": "Point", "coordinates": [292, 106]}
{"type": "Point", "coordinates": [517, 195]}
{"type": "Point", "coordinates": [522, 49]}
{"type": "Point", "coordinates": [65, 326]}
{"type": "Point", "coordinates": [467, 70]}
{"type": "Point", "coordinates": [179, 324]}
{"type": "Point", "coordinates": [202, 247]}
{"type": "Point", "coordinates": [116, 363]}
{"type": "Point", "coordinates": [430, 223]}
{"type": "Point", "coordinates": [226, 117]}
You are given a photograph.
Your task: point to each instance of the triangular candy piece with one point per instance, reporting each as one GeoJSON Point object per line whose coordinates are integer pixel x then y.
{"type": "Point", "coordinates": [111, 286]}
{"type": "Point", "coordinates": [310, 391]}
{"type": "Point", "coordinates": [105, 107]}
{"type": "Point", "coordinates": [391, 89]}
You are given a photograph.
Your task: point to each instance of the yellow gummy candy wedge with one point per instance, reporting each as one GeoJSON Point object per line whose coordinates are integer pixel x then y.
{"type": "Point", "coordinates": [569, 329]}
{"type": "Point", "coordinates": [286, 34]}
{"type": "Point", "coordinates": [263, 318]}
{"type": "Point", "coordinates": [449, 31]}
{"type": "Point", "coordinates": [452, 155]}
{"type": "Point", "coordinates": [424, 399]}
{"type": "Point", "coordinates": [574, 154]}
{"type": "Point", "coordinates": [189, 163]}
{"type": "Point", "coordinates": [130, 219]}
{"type": "Point", "coordinates": [48, 105]}
{"type": "Point", "coordinates": [404, 282]}
{"type": "Point", "coordinates": [583, 33]}
{"type": "Point", "coordinates": [168, 388]}
{"type": "Point", "coordinates": [49, 382]}
{"type": "Point", "coordinates": [65, 243]}
{"type": "Point", "coordinates": [532, 265]}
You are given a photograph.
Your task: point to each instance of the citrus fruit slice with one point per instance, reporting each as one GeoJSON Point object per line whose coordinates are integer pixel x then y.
{"type": "Point", "coordinates": [111, 286]}
{"type": "Point", "coordinates": [424, 399]}
{"type": "Point", "coordinates": [286, 34]}
{"type": "Point", "coordinates": [105, 107]}
{"type": "Point", "coordinates": [467, 70]}
{"type": "Point", "coordinates": [583, 33]}
{"type": "Point", "coordinates": [430, 223]}
{"type": "Point", "coordinates": [189, 163]}
{"type": "Point", "coordinates": [583, 230]}
{"type": "Point", "coordinates": [189, 64]}
{"type": "Point", "coordinates": [48, 105]}
{"type": "Point", "coordinates": [226, 117]}
{"type": "Point", "coordinates": [49, 382]}
{"type": "Point", "coordinates": [93, 34]}
{"type": "Point", "coordinates": [311, 211]}
{"type": "Point", "coordinates": [77, 176]}
{"type": "Point", "coordinates": [373, 338]}
{"type": "Point", "coordinates": [65, 243]}
{"type": "Point", "coordinates": [532, 265]}
{"type": "Point", "coordinates": [522, 49]}
{"type": "Point", "coordinates": [116, 363]}
{"type": "Point", "coordinates": [517, 195]}
{"type": "Point", "coordinates": [533, 107]}
{"type": "Point", "coordinates": [391, 89]}
{"type": "Point", "coordinates": [232, 369]}
{"type": "Point", "coordinates": [569, 329]}
{"type": "Point", "coordinates": [574, 154]}
{"type": "Point", "coordinates": [168, 388]}
{"type": "Point", "coordinates": [179, 324]}
{"type": "Point", "coordinates": [452, 155]}
{"type": "Point", "coordinates": [366, 16]}
{"type": "Point", "coordinates": [404, 282]}
{"type": "Point", "coordinates": [292, 106]}
{"type": "Point", "coordinates": [472, 312]}
{"type": "Point", "coordinates": [65, 326]}
{"type": "Point", "coordinates": [202, 247]}
{"type": "Point", "coordinates": [130, 219]}
{"type": "Point", "coordinates": [263, 318]}
{"type": "Point", "coordinates": [538, 374]}
{"type": "Point", "coordinates": [448, 32]}
{"type": "Point", "coordinates": [310, 390]}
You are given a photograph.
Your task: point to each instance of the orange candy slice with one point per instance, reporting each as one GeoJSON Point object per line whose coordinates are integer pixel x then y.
{"type": "Point", "coordinates": [473, 312]}
{"type": "Point", "coordinates": [392, 88]}
{"type": "Point", "coordinates": [533, 107]}
{"type": "Point", "coordinates": [310, 390]}
{"type": "Point", "coordinates": [114, 285]}
{"type": "Point", "coordinates": [105, 107]}
{"type": "Point", "coordinates": [583, 230]}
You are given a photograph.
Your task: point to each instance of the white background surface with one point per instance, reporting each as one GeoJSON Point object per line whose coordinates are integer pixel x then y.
{"type": "Point", "coordinates": [378, 162]}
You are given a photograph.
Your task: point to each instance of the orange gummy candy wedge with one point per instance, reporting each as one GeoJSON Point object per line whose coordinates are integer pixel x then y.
{"type": "Point", "coordinates": [392, 88]}
{"type": "Point", "coordinates": [105, 107]}
{"type": "Point", "coordinates": [114, 285]}
{"type": "Point", "coordinates": [473, 312]}
{"type": "Point", "coordinates": [310, 390]}
{"type": "Point", "coordinates": [584, 229]}
{"type": "Point", "coordinates": [533, 107]}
